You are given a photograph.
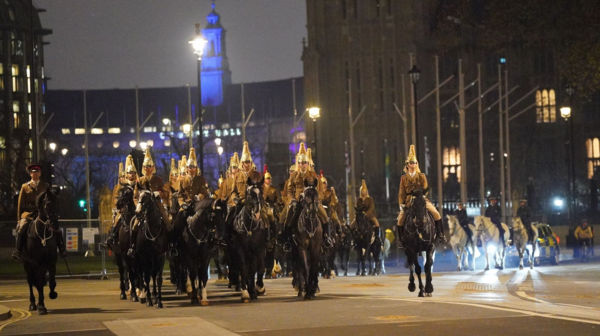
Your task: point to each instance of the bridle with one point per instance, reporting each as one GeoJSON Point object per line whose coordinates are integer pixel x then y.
{"type": "Point", "coordinates": [252, 210]}
{"type": "Point", "coordinates": [144, 218]}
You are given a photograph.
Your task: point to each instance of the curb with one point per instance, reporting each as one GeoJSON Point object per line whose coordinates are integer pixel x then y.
{"type": "Point", "coordinates": [4, 313]}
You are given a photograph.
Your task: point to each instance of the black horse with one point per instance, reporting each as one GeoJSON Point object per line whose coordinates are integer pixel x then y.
{"type": "Point", "coordinates": [363, 238]}
{"type": "Point", "coordinates": [125, 263]}
{"type": "Point", "coordinates": [308, 238]}
{"type": "Point", "coordinates": [250, 240]}
{"type": "Point", "coordinates": [344, 248]}
{"type": "Point", "coordinates": [198, 241]}
{"type": "Point", "coordinates": [177, 263]}
{"type": "Point", "coordinates": [151, 247]}
{"type": "Point", "coordinates": [328, 254]}
{"type": "Point", "coordinates": [419, 237]}
{"type": "Point", "coordinates": [40, 253]}
{"type": "Point", "coordinates": [374, 257]}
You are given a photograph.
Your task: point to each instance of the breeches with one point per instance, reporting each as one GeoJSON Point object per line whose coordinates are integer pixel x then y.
{"type": "Point", "coordinates": [21, 223]}
{"type": "Point", "coordinates": [429, 206]}
{"type": "Point", "coordinates": [321, 213]}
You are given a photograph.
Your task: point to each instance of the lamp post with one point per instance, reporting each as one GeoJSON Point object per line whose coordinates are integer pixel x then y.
{"type": "Point", "coordinates": [198, 43]}
{"type": "Point", "coordinates": [414, 74]}
{"type": "Point", "coordinates": [566, 113]}
{"type": "Point", "coordinates": [219, 152]}
{"type": "Point", "coordinates": [187, 130]}
{"type": "Point", "coordinates": [314, 113]}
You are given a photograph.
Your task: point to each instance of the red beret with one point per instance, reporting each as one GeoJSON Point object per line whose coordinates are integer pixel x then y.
{"type": "Point", "coordinates": [34, 167]}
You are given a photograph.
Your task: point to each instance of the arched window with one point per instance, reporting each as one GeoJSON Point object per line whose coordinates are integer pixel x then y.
{"type": "Point", "coordinates": [545, 101]}
{"type": "Point", "coordinates": [593, 154]}
{"type": "Point", "coordinates": [451, 162]}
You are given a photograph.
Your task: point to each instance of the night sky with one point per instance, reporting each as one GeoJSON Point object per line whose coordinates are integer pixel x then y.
{"type": "Point", "coordinates": [100, 44]}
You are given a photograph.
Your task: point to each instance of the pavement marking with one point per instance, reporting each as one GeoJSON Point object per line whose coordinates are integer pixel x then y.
{"type": "Point", "coordinates": [525, 312]}
{"type": "Point", "coordinates": [167, 326]}
{"type": "Point", "coordinates": [525, 296]}
{"type": "Point", "coordinates": [69, 331]}
{"type": "Point", "coordinates": [22, 316]}
{"type": "Point", "coordinates": [13, 300]}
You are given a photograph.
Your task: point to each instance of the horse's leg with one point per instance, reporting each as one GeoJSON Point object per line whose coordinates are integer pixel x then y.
{"type": "Point", "coordinates": [159, 279]}
{"type": "Point", "coordinates": [411, 265]}
{"type": "Point", "coordinates": [346, 261]}
{"type": "Point", "coordinates": [30, 281]}
{"type": "Point", "coordinates": [243, 270]}
{"type": "Point", "coordinates": [487, 256]}
{"type": "Point", "coordinates": [52, 277]}
{"type": "Point", "coordinates": [358, 259]}
{"type": "Point", "coordinates": [203, 276]}
{"type": "Point", "coordinates": [428, 267]}
{"type": "Point", "coordinates": [40, 279]}
{"type": "Point", "coordinates": [502, 253]}
{"type": "Point", "coordinates": [119, 260]}
{"type": "Point", "coordinates": [531, 256]}
{"type": "Point", "coordinates": [418, 273]}
{"type": "Point", "coordinates": [472, 247]}
{"type": "Point", "coordinates": [147, 277]}
{"type": "Point", "coordinates": [193, 274]}
{"type": "Point", "coordinates": [313, 274]}
{"type": "Point", "coordinates": [458, 256]}
{"type": "Point", "coordinates": [260, 270]}
{"type": "Point", "coordinates": [303, 274]}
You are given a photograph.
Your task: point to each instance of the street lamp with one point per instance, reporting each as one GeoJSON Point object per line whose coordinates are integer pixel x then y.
{"type": "Point", "coordinates": [132, 143]}
{"type": "Point", "coordinates": [414, 74]}
{"type": "Point", "coordinates": [52, 146]}
{"type": "Point", "coordinates": [566, 113]}
{"type": "Point", "coordinates": [314, 113]}
{"type": "Point", "coordinates": [198, 43]}
{"type": "Point", "coordinates": [64, 151]}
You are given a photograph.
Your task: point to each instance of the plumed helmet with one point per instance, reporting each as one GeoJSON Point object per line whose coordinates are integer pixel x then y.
{"type": "Point", "coordinates": [129, 165]}
{"type": "Point", "coordinates": [246, 153]}
{"type": "Point", "coordinates": [191, 162]}
{"type": "Point", "coordinates": [266, 172]}
{"type": "Point", "coordinates": [363, 188]}
{"type": "Point", "coordinates": [235, 161]}
{"type": "Point", "coordinates": [302, 156]}
{"type": "Point", "coordinates": [174, 170]}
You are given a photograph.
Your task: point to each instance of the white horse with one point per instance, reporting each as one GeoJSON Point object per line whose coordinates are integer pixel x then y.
{"type": "Point", "coordinates": [462, 247]}
{"type": "Point", "coordinates": [521, 238]}
{"type": "Point", "coordinates": [490, 239]}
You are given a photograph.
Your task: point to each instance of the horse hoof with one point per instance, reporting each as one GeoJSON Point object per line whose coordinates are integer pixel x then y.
{"type": "Point", "coordinates": [238, 288]}
{"type": "Point", "coordinates": [123, 296]}
{"type": "Point", "coordinates": [472, 269]}
{"type": "Point", "coordinates": [487, 268]}
{"type": "Point", "coordinates": [345, 273]}
{"type": "Point", "coordinates": [363, 274]}
{"type": "Point", "coordinates": [194, 300]}
{"type": "Point", "coordinates": [143, 300]}
{"type": "Point", "coordinates": [521, 267]}
{"type": "Point", "coordinates": [307, 297]}
{"type": "Point", "coordinates": [53, 295]}
{"type": "Point", "coordinates": [261, 291]}
{"type": "Point", "coordinates": [42, 311]}
{"type": "Point", "coordinates": [32, 307]}
{"type": "Point", "coordinates": [204, 303]}
{"type": "Point", "coordinates": [254, 297]}
{"type": "Point", "coordinates": [135, 299]}
{"type": "Point", "coordinates": [178, 292]}
{"type": "Point", "coordinates": [428, 294]}
{"type": "Point", "coordinates": [149, 303]}
{"type": "Point", "coordinates": [246, 300]}
{"type": "Point", "coordinates": [531, 266]}
{"type": "Point", "coordinates": [159, 305]}
{"type": "Point", "coordinates": [421, 294]}
{"type": "Point", "coordinates": [500, 267]}
{"type": "Point", "coordinates": [459, 269]}
{"type": "Point", "coordinates": [412, 287]}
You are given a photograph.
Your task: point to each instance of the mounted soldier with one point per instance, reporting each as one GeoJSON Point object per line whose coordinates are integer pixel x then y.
{"type": "Point", "coordinates": [153, 183]}
{"type": "Point", "coordinates": [330, 201]}
{"type": "Point", "coordinates": [524, 212]}
{"type": "Point", "coordinates": [193, 184]}
{"type": "Point", "coordinates": [463, 220]}
{"type": "Point", "coordinates": [127, 176]}
{"type": "Point", "coordinates": [413, 179]}
{"type": "Point", "coordinates": [173, 182]}
{"type": "Point", "coordinates": [27, 210]}
{"type": "Point", "coordinates": [294, 191]}
{"type": "Point", "coordinates": [366, 205]}
{"type": "Point", "coordinates": [494, 212]}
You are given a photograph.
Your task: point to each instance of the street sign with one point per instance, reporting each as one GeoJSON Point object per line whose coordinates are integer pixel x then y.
{"type": "Point", "coordinates": [72, 239]}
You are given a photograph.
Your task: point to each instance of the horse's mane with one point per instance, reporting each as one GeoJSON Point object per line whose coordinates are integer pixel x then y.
{"type": "Point", "coordinates": [486, 220]}
{"type": "Point", "coordinates": [203, 204]}
{"type": "Point", "coordinates": [39, 199]}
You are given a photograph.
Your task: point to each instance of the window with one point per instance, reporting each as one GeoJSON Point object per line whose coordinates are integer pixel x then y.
{"type": "Point", "coordinates": [451, 162]}
{"type": "Point", "coordinates": [545, 101]}
{"type": "Point", "coordinates": [1, 73]}
{"type": "Point", "coordinates": [16, 80]}
{"type": "Point", "coordinates": [593, 155]}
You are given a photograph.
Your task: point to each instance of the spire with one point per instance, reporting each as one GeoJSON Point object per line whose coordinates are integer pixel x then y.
{"type": "Point", "coordinates": [213, 18]}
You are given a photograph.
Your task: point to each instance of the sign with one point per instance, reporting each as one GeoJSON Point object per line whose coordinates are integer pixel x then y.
{"type": "Point", "coordinates": [88, 235]}
{"type": "Point", "coordinates": [72, 239]}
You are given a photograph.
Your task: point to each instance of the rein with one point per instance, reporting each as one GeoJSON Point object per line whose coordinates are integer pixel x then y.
{"type": "Point", "coordinates": [198, 241]}
{"type": "Point", "coordinates": [46, 223]}
{"type": "Point", "coordinates": [147, 231]}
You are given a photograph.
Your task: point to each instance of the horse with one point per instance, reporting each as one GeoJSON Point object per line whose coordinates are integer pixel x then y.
{"type": "Point", "coordinates": [363, 238]}
{"type": "Point", "coordinates": [177, 264]}
{"type": "Point", "coordinates": [249, 239]}
{"type": "Point", "coordinates": [420, 236]}
{"type": "Point", "coordinates": [461, 245]}
{"type": "Point", "coordinates": [375, 253]}
{"type": "Point", "coordinates": [151, 246]}
{"type": "Point", "coordinates": [39, 254]}
{"type": "Point", "coordinates": [198, 238]}
{"type": "Point", "coordinates": [308, 238]}
{"type": "Point", "coordinates": [490, 236]}
{"type": "Point", "coordinates": [344, 248]}
{"type": "Point", "coordinates": [126, 264]}
{"type": "Point", "coordinates": [328, 256]}
{"type": "Point", "coordinates": [521, 237]}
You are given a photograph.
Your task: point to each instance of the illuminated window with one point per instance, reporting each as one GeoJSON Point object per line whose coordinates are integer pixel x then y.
{"type": "Point", "coordinates": [80, 131]}
{"type": "Point", "coordinates": [1, 75]}
{"type": "Point", "coordinates": [149, 129]}
{"type": "Point", "coordinates": [28, 81]}
{"type": "Point", "coordinates": [66, 131]}
{"type": "Point", "coordinates": [97, 131]}
{"type": "Point", "coordinates": [593, 155]}
{"type": "Point", "coordinates": [451, 162]}
{"type": "Point", "coordinates": [114, 130]}
{"type": "Point", "coordinates": [545, 101]}
{"type": "Point", "coordinates": [2, 143]}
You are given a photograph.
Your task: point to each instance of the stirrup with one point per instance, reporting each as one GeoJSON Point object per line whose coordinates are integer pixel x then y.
{"type": "Point", "coordinates": [327, 242]}
{"type": "Point", "coordinates": [287, 247]}
{"type": "Point", "coordinates": [173, 252]}
{"type": "Point", "coordinates": [442, 238]}
{"type": "Point", "coordinates": [131, 252]}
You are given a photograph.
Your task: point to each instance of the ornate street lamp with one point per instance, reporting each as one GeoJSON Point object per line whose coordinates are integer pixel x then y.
{"type": "Point", "coordinates": [198, 43]}
{"type": "Point", "coordinates": [415, 74]}
{"type": "Point", "coordinates": [314, 113]}
{"type": "Point", "coordinates": [566, 113]}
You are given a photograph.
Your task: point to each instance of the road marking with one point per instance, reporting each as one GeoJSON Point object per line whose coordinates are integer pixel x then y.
{"type": "Point", "coordinates": [70, 331]}
{"type": "Point", "coordinates": [525, 296]}
{"type": "Point", "coordinates": [13, 300]}
{"type": "Point", "coordinates": [22, 316]}
{"type": "Point", "coordinates": [525, 312]}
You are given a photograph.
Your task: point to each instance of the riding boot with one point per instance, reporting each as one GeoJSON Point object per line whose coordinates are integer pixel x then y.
{"type": "Point", "coordinates": [401, 237]}
{"type": "Point", "coordinates": [131, 251]}
{"type": "Point", "coordinates": [19, 245]}
{"type": "Point", "coordinates": [377, 232]}
{"type": "Point", "coordinates": [60, 243]}
{"type": "Point", "coordinates": [112, 236]}
{"type": "Point", "coordinates": [327, 241]}
{"type": "Point", "coordinates": [439, 226]}
{"type": "Point", "coordinates": [173, 245]}
{"type": "Point", "coordinates": [287, 237]}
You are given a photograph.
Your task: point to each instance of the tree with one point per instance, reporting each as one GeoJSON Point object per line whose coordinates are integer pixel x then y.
{"type": "Point", "coordinates": [569, 30]}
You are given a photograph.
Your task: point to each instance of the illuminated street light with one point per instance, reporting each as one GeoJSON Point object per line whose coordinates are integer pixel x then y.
{"type": "Point", "coordinates": [198, 43]}
{"type": "Point", "coordinates": [64, 151]}
{"type": "Point", "coordinates": [143, 146]}
{"type": "Point", "coordinates": [150, 143]}
{"type": "Point", "coordinates": [220, 150]}
{"type": "Point", "coordinates": [565, 112]}
{"type": "Point", "coordinates": [116, 144]}
{"type": "Point", "coordinates": [132, 143]}
{"type": "Point", "coordinates": [52, 146]}
{"type": "Point", "coordinates": [186, 128]}
{"type": "Point", "coordinates": [218, 142]}
{"type": "Point", "coordinates": [314, 113]}
{"type": "Point", "coordinates": [166, 121]}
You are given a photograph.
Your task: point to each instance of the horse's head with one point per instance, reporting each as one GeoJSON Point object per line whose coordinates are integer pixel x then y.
{"type": "Point", "coordinates": [517, 223]}
{"type": "Point", "coordinates": [174, 208]}
{"type": "Point", "coordinates": [479, 223]}
{"type": "Point", "coordinates": [219, 212]}
{"type": "Point", "coordinates": [311, 195]}
{"type": "Point", "coordinates": [145, 202]}
{"type": "Point", "coordinates": [47, 204]}
{"type": "Point", "coordinates": [125, 196]}
{"type": "Point", "coordinates": [418, 207]}
{"type": "Point", "coordinates": [254, 197]}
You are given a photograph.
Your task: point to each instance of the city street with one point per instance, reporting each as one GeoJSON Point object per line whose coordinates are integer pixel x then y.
{"type": "Point", "coordinates": [548, 300]}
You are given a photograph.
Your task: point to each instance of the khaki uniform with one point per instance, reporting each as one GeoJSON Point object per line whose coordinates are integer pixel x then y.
{"type": "Point", "coordinates": [408, 185]}
{"type": "Point", "coordinates": [27, 197]}
{"type": "Point", "coordinates": [272, 197]}
{"type": "Point", "coordinates": [193, 186]}
{"type": "Point", "coordinates": [330, 200]}
{"type": "Point", "coordinates": [235, 186]}
{"type": "Point", "coordinates": [156, 184]}
{"type": "Point", "coordinates": [295, 187]}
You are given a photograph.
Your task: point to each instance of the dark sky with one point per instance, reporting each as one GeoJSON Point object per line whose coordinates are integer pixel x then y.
{"type": "Point", "coordinates": [100, 44]}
